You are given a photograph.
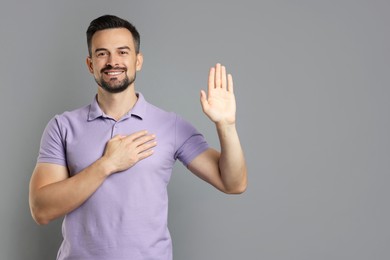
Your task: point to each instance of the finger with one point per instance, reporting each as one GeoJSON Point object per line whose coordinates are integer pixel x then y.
{"type": "Point", "coordinates": [146, 146]}
{"type": "Point", "coordinates": [223, 77]}
{"type": "Point", "coordinates": [144, 139]}
{"type": "Point", "coordinates": [211, 79]}
{"type": "Point", "coordinates": [145, 150]}
{"type": "Point", "coordinates": [145, 154]}
{"type": "Point", "coordinates": [218, 75]}
{"type": "Point", "coordinates": [230, 83]}
{"type": "Point", "coordinates": [136, 135]}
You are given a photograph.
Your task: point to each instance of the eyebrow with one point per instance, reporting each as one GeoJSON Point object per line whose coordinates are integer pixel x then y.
{"type": "Point", "coordinates": [124, 48]}
{"type": "Point", "coordinates": [100, 49]}
{"type": "Point", "coordinates": [119, 48]}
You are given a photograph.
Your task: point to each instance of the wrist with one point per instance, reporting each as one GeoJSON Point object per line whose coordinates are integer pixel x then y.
{"type": "Point", "coordinates": [225, 125]}
{"type": "Point", "coordinates": [105, 166]}
{"type": "Point", "coordinates": [226, 130]}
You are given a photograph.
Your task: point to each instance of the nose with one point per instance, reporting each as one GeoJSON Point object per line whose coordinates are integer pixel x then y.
{"type": "Point", "coordinates": [112, 60]}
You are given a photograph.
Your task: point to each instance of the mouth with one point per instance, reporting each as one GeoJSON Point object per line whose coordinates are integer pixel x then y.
{"type": "Point", "coordinates": [114, 73]}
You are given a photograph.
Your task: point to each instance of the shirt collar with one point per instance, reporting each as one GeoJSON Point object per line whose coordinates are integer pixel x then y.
{"type": "Point", "coordinates": [94, 110]}
{"type": "Point", "coordinates": [139, 109]}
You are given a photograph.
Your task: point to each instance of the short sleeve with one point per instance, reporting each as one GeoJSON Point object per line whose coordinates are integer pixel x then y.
{"type": "Point", "coordinates": [52, 149]}
{"type": "Point", "coordinates": [189, 142]}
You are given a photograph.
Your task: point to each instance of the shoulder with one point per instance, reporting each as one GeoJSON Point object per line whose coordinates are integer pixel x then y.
{"type": "Point", "coordinates": [161, 117]}
{"type": "Point", "coordinates": [76, 114]}
{"type": "Point", "coordinates": [62, 122]}
{"type": "Point", "coordinates": [159, 114]}
{"type": "Point", "coordinates": [69, 117]}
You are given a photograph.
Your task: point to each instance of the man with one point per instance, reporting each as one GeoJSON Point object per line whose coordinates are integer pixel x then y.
{"type": "Point", "coordinates": [106, 166]}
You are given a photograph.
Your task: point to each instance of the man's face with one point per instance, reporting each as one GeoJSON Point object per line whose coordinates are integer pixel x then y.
{"type": "Point", "coordinates": [113, 60]}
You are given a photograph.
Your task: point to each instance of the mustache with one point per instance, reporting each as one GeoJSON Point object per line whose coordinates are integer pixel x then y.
{"type": "Point", "coordinates": [109, 67]}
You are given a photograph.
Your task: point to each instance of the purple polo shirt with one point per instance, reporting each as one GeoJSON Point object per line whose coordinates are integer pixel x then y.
{"type": "Point", "coordinates": [126, 218]}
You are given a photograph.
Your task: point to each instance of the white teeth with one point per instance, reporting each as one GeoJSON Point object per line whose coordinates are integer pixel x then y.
{"type": "Point", "coordinates": [114, 73]}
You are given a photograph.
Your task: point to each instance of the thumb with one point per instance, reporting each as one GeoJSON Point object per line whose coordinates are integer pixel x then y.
{"type": "Point", "coordinates": [118, 137]}
{"type": "Point", "coordinates": [203, 100]}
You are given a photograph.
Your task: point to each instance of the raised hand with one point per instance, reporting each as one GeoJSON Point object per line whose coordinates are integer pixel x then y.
{"type": "Point", "coordinates": [219, 104]}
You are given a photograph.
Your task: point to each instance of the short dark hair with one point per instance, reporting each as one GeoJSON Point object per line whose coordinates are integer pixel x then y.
{"type": "Point", "coordinates": [111, 22]}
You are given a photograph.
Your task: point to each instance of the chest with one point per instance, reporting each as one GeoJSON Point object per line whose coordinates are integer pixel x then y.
{"type": "Point", "coordinates": [84, 145]}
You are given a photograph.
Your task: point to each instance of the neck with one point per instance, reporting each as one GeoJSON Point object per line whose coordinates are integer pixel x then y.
{"type": "Point", "coordinates": [118, 104]}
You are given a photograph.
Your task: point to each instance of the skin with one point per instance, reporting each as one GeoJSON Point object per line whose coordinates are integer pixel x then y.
{"type": "Point", "coordinates": [53, 193]}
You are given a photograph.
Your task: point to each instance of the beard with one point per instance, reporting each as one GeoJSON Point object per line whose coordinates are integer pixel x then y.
{"type": "Point", "coordinates": [115, 86]}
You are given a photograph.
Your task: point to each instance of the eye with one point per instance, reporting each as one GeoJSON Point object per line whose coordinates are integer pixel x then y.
{"type": "Point", "coordinates": [101, 54]}
{"type": "Point", "coordinates": [123, 52]}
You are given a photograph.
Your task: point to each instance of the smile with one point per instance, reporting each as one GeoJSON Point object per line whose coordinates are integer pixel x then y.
{"type": "Point", "coordinates": [113, 73]}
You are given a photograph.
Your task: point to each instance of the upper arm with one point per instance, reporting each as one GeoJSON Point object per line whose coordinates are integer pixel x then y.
{"type": "Point", "coordinates": [206, 167]}
{"type": "Point", "coordinates": [45, 174]}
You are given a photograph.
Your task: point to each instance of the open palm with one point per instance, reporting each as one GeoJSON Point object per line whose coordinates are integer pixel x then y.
{"type": "Point", "coordinates": [219, 104]}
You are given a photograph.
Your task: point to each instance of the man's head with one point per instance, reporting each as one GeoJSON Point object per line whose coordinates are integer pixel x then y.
{"type": "Point", "coordinates": [111, 22]}
{"type": "Point", "coordinates": [114, 56]}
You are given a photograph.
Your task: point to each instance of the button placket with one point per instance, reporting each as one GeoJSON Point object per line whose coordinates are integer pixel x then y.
{"type": "Point", "coordinates": [114, 130]}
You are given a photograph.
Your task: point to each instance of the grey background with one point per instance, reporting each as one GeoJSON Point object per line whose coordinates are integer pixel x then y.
{"type": "Point", "coordinates": [312, 86]}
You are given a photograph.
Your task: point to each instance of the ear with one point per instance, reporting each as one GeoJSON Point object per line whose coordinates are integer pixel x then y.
{"type": "Point", "coordinates": [139, 62]}
{"type": "Point", "coordinates": [89, 64]}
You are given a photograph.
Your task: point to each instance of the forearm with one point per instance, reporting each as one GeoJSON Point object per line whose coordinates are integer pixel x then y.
{"type": "Point", "coordinates": [232, 164]}
{"type": "Point", "coordinates": [53, 194]}
{"type": "Point", "coordinates": [59, 198]}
